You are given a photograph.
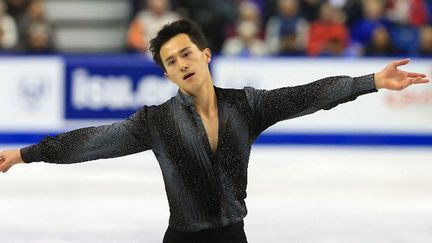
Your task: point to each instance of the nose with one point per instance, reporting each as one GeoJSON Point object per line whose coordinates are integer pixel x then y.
{"type": "Point", "coordinates": [183, 65]}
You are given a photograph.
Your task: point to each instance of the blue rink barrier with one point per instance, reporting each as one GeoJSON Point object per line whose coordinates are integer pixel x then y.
{"type": "Point", "coordinates": [278, 139]}
{"type": "Point", "coordinates": [22, 138]}
{"type": "Point", "coordinates": [346, 139]}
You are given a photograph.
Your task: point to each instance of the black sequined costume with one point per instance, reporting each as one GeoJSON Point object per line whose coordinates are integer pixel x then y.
{"type": "Point", "coordinates": [204, 190]}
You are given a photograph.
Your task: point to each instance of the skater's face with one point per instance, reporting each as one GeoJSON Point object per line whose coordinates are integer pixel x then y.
{"type": "Point", "coordinates": [185, 64]}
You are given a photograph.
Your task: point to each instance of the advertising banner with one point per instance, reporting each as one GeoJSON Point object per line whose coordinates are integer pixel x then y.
{"type": "Point", "coordinates": [409, 111]}
{"type": "Point", "coordinates": [31, 93]}
{"type": "Point", "coordinates": [48, 95]}
{"type": "Point", "coordinates": [112, 88]}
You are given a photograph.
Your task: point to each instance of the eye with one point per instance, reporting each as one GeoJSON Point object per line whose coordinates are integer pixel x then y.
{"type": "Point", "coordinates": [186, 54]}
{"type": "Point", "coordinates": [171, 62]}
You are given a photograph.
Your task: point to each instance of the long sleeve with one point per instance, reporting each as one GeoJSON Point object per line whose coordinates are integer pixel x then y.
{"type": "Point", "coordinates": [271, 106]}
{"type": "Point", "coordinates": [91, 143]}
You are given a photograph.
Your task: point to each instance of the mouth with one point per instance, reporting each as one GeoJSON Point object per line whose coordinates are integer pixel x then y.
{"type": "Point", "coordinates": [188, 76]}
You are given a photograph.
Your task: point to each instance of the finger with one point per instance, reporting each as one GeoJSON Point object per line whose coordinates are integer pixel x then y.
{"type": "Point", "coordinates": [415, 75]}
{"type": "Point", "coordinates": [4, 164]}
{"type": "Point", "coordinates": [400, 62]}
{"type": "Point", "coordinates": [6, 169]}
{"type": "Point", "coordinates": [420, 81]}
{"type": "Point", "coordinates": [411, 81]}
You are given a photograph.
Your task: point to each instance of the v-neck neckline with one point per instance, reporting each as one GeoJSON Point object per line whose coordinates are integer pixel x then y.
{"type": "Point", "coordinates": [189, 101]}
{"type": "Point", "coordinates": [219, 132]}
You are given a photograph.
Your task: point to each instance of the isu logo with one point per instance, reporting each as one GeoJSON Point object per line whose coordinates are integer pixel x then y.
{"type": "Point", "coordinates": [32, 91]}
{"type": "Point", "coordinates": [117, 92]}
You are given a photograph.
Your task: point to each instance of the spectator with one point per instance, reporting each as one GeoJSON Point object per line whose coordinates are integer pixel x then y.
{"type": "Point", "coordinates": [247, 11]}
{"type": "Point", "coordinates": [425, 41]}
{"type": "Point", "coordinates": [147, 22]}
{"type": "Point", "coordinates": [408, 12]}
{"type": "Point", "coordinates": [17, 8]}
{"type": "Point", "coordinates": [260, 4]}
{"type": "Point", "coordinates": [361, 31]}
{"type": "Point", "coordinates": [38, 39]}
{"type": "Point", "coordinates": [286, 33]}
{"type": "Point", "coordinates": [214, 16]}
{"type": "Point", "coordinates": [311, 9]}
{"type": "Point", "coordinates": [8, 29]}
{"type": "Point", "coordinates": [380, 43]}
{"type": "Point", "coordinates": [405, 38]}
{"type": "Point", "coordinates": [137, 5]}
{"type": "Point", "coordinates": [418, 13]}
{"type": "Point", "coordinates": [246, 43]}
{"type": "Point", "coordinates": [34, 16]}
{"type": "Point", "coordinates": [328, 35]}
{"type": "Point", "coordinates": [398, 11]}
{"type": "Point", "coordinates": [404, 30]}
{"type": "Point", "coordinates": [353, 10]}
{"type": "Point", "coordinates": [270, 9]}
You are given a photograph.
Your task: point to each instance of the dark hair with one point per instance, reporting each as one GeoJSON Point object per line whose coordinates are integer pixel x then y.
{"type": "Point", "coordinates": [189, 27]}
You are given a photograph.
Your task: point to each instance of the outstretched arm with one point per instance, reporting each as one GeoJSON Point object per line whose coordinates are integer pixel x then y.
{"type": "Point", "coordinates": [271, 106]}
{"type": "Point", "coordinates": [91, 143]}
{"type": "Point", "coordinates": [394, 79]}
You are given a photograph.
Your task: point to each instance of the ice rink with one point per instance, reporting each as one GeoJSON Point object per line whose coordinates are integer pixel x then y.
{"type": "Point", "coordinates": [296, 194]}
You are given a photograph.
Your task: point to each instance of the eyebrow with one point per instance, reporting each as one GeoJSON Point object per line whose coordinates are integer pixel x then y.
{"type": "Point", "coordinates": [182, 50]}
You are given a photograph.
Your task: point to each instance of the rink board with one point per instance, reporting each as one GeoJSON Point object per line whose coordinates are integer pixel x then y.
{"type": "Point", "coordinates": [54, 94]}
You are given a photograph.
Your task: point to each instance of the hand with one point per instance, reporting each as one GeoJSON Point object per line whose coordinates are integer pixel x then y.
{"type": "Point", "coordinates": [9, 158]}
{"type": "Point", "coordinates": [394, 79]}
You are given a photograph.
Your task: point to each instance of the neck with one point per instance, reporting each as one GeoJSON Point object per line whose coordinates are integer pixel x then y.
{"type": "Point", "coordinates": [205, 99]}
{"type": "Point", "coordinates": [206, 103]}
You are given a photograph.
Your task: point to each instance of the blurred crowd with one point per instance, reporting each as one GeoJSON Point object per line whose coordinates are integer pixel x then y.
{"type": "Point", "coordinates": [296, 27]}
{"type": "Point", "coordinates": [253, 27]}
{"type": "Point", "coordinates": [23, 27]}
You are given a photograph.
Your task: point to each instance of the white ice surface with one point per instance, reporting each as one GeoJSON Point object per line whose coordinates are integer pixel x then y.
{"type": "Point", "coordinates": [295, 195]}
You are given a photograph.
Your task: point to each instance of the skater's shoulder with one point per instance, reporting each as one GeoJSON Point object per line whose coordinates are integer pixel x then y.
{"type": "Point", "coordinates": [229, 92]}
{"type": "Point", "coordinates": [234, 96]}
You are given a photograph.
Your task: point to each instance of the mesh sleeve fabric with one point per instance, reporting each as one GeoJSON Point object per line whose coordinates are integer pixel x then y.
{"type": "Point", "coordinates": [271, 106]}
{"type": "Point", "coordinates": [91, 143]}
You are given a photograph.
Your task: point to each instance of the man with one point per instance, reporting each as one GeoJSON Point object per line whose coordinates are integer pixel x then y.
{"type": "Point", "coordinates": [202, 137]}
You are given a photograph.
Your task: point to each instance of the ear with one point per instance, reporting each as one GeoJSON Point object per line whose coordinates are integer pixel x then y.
{"type": "Point", "coordinates": [208, 54]}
